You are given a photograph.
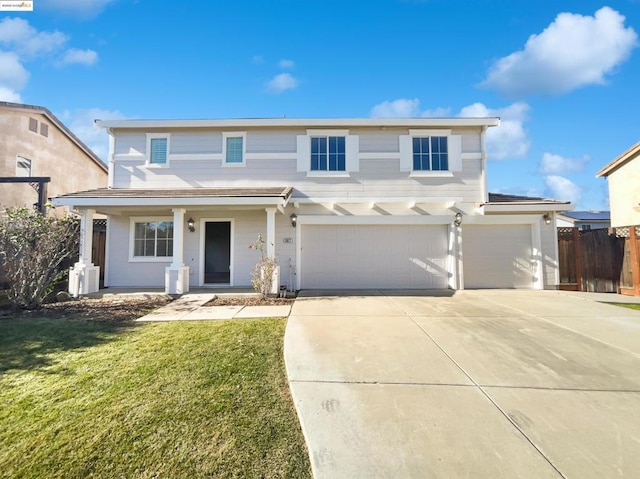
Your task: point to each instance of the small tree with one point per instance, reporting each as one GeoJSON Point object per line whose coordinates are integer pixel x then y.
{"type": "Point", "coordinates": [262, 273]}
{"type": "Point", "coordinates": [33, 249]}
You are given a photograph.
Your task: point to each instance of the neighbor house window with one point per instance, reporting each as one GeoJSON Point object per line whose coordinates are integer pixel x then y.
{"type": "Point", "coordinates": [33, 125]}
{"type": "Point", "coordinates": [430, 153]}
{"type": "Point", "coordinates": [44, 129]}
{"type": "Point", "coordinates": [233, 148]}
{"type": "Point", "coordinates": [328, 153]}
{"type": "Point", "coordinates": [152, 239]}
{"type": "Point", "coordinates": [23, 166]}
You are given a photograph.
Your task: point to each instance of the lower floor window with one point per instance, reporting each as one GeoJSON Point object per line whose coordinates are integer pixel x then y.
{"type": "Point", "coordinates": [153, 239]}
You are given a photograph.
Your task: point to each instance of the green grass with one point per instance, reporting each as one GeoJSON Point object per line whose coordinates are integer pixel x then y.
{"type": "Point", "coordinates": [92, 399]}
{"type": "Point", "coordinates": [627, 305]}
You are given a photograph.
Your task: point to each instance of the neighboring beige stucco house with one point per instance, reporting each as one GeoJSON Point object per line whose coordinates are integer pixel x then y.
{"type": "Point", "coordinates": [34, 143]}
{"type": "Point", "coordinates": [623, 176]}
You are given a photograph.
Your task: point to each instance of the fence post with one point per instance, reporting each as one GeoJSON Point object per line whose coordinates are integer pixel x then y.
{"type": "Point", "coordinates": [577, 254]}
{"type": "Point", "coordinates": [635, 265]}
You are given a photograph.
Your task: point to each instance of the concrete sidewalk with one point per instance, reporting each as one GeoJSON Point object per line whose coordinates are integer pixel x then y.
{"type": "Point", "coordinates": [477, 384]}
{"type": "Point", "coordinates": [191, 307]}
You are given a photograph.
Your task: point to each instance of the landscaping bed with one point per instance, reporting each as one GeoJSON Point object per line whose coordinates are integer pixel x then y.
{"type": "Point", "coordinates": [249, 301]}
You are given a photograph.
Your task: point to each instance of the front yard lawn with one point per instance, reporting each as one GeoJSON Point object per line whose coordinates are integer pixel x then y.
{"type": "Point", "coordinates": [102, 399]}
{"type": "Point", "coordinates": [627, 305]}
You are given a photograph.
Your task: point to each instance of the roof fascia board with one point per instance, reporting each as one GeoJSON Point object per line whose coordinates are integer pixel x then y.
{"type": "Point", "coordinates": [536, 207]}
{"type": "Point", "coordinates": [619, 161]}
{"type": "Point", "coordinates": [301, 122]}
{"type": "Point", "coordinates": [88, 202]}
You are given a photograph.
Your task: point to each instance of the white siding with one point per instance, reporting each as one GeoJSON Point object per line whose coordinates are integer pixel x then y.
{"type": "Point", "coordinates": [549, 243]}
{"type": "Point", "coordinates": [246, 226]}
{"type": "Point", "coordinates": [272, 142]}
{"type": "Point", "coordinates": [195, 142]}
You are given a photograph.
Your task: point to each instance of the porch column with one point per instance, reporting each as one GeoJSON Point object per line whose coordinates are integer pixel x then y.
{"type": "Point", "coordinates": [84, 277]}
{"type": "Point", "coordinates": [271, 247]}
{"type": "Point", "coordinates": [176, 276]}
{"type": "Point", "coordinates": [271, 232]}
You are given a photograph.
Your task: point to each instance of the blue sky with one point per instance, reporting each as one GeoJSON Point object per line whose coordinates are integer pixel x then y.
{"type": "Point", "coordinates": [563, 75]}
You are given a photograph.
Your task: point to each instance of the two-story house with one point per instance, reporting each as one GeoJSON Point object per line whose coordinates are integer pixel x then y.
{"type": "Point", "coordinates": [341, 203]}
{"type": "Point", "coordinates": [40, 158]}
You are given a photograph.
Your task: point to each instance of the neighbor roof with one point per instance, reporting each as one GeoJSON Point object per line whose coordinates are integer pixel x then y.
{"type": "Point", "coordinates": [302, 122]}
{"type": "Point", "coordinates": [61, 126]}
{"type": "Point", "coordinates": [603, 216]}
{"type": "Point", "coordinates": [625, 157]}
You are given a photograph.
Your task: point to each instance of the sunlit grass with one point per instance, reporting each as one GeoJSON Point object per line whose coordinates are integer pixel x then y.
{"type": "Point", "coordinates": [96, 399]}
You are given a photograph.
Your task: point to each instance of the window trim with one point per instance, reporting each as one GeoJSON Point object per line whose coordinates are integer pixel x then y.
{"type": "Point", "coordinates": [132, 232]}
{"type": "Point", "coordinates": [155, 136]}
{"type": "Point", "coordinates": [234, 134]}
{"type": "Point", "coordinates": [454, 150]}
{"type": "Point", "coordinates": [352, 153]}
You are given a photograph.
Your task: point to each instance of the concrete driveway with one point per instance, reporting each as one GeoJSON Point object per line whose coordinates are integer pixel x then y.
{"type": "Point", "coordinates": [476, 384]}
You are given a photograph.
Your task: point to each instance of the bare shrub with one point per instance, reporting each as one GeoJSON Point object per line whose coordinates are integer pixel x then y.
{"type": "Point", "coordinates": [262, 272]}
{"type": "Point", "coordinates": [33, 250]}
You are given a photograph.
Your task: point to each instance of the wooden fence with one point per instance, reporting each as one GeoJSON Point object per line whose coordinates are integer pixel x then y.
{"type": "Point", "coordinates": [590, 260]}
{"type": "Point", "coordinates": [630, 270]}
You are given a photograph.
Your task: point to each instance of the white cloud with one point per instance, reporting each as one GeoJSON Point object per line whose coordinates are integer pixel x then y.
{"type": "Point", "coordinates": [82, 123]}
{"type": "Point", "coordinates": [562, 189]}
{"type": "Point", "coordinates": [12, 74]}
{"type": "Point", "coordinates": [551, 164]}
{"type": "Point", "coordinates": [401, 108]}
{"type": "Point", "coordinates": [575, 50]}
{"type": "Point", "coordinates": [78, 8]}
{"type": "Point", "coordinates": [82, 57]}
{"type": "Point", "coordinates": [282, 82]}
{"type": "Point", "coordinates": [510, 139]}
{"type": "Point", "coordinates": [284, 63]}
{"type": "Point", "coordinates": [18, 36]}
{"type": "Point", "coordinates": [7, 94]}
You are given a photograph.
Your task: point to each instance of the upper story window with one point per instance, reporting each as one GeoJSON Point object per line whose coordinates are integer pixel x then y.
{"type": "Point", "coordinates": [33, 125]}
{"type": "Point", "coordinates": [234, 148]}
{"type": "Point", "coordinates": [23, 166]}
{"type": "Point", "coordinates": [152, 239]}
{"type": "Point", "coordinates": [157, 149]}
{"type": "Point", "coordinates": [430, 153]}
{"type": "Point", "coordinates": [433, 152]}
{"type": "Point", "coordinates": [328, 153]}
{"type": "Point", "coordinates": [44, 129]}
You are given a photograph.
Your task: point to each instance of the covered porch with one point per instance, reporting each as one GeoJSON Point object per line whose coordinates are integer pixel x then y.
{"type": "Point", "coordinates": [174, 238]}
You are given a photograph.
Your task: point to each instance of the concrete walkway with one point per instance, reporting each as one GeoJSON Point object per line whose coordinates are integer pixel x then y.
{"type": "Point", "coordinates": [190, 307]}
{"type": "Point", "coordinates": [476, 384]}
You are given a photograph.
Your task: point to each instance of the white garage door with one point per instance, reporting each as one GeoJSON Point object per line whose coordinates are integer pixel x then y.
{"type": "Point", "coordinates": [374, 256]}
{"type": "Point", "coordinates": [497, 256]}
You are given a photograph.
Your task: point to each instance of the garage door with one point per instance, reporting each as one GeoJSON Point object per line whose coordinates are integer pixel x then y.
{"type": "Point", "coordinates": [497, 256]}
{"type": "Point", "coordinates": [373, 256]}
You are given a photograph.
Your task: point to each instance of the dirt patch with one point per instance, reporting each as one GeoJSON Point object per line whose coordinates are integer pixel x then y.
{"type": "Point", "coordinates": [248, 301]}
{"type": "Point", "coordinates": [95, 309]}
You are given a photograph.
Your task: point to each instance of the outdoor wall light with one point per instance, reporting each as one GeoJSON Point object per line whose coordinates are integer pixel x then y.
{"type": "Point", "coordinates": [294, 219]}
{"type": "Point", "coordinates": [458, 219]}
{"type": "Point", "coordinates": [547, 219]}
{"type": "Point", "coordinates": [191, 225]}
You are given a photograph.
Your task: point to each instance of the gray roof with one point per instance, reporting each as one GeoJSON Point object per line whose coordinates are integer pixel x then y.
{"type": "Point", "coordinates": [522, 200]}
{"type": "Point", "coordinates": [588, 215]}
{"type": "Point", "coordinates": [280, 191]}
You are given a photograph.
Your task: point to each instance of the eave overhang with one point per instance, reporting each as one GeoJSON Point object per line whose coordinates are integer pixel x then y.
{"type": "Point", "coordinates": [628, 155]}
{"type": "Point", "coordinates": [302, 123]}
{"type": "Point", "coordinates": [176, 198]}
